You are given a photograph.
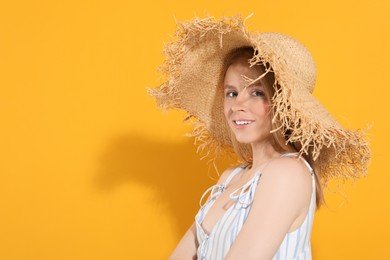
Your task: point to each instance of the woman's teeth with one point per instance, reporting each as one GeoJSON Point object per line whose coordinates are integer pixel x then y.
{"type": "Point", "coordinates": [242, 122]}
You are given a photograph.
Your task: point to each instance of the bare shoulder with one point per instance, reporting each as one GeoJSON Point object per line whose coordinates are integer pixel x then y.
{"type": "Point", "coordinates": [226, 174]}
{"type": "Point", "coordinates": [288, 177]}
{"type": "Point", "coordinates": [290, 173]}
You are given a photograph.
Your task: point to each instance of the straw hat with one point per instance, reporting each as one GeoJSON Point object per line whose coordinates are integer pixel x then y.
{"type": "Point", "coordinates": [193, 76]}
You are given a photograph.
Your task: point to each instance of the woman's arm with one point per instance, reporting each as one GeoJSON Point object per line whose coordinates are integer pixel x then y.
{"type": "Point", "coordinates": [283, 194]}
{"type": "Point", "coordinates": [188, 245]}
{"type": "Point", "coordinates": [186, 249]}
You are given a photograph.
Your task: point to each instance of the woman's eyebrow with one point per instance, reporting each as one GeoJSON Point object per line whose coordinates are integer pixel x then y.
{"type": "Point", "coordinates": [227, 86]}
{"type": "Point", "coordinates": [255, 84]}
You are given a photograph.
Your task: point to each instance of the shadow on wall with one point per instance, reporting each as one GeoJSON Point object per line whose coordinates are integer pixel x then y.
{"type": "Point", "coordinates": [174, 171]}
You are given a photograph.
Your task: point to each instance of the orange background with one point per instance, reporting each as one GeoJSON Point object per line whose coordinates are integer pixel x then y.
{"type": "Point", "coordinates": [90, 169]}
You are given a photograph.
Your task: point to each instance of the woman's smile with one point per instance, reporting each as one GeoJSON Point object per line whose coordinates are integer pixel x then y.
{"type": "Point", "coordinates": [242, 122]}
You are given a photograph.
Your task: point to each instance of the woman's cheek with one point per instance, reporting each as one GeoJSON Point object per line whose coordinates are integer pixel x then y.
{"type": "Point", "coordinates": [226, 108]}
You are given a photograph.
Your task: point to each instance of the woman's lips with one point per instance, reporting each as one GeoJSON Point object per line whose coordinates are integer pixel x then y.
{"type": "Point", "coordinates": [241, 123]}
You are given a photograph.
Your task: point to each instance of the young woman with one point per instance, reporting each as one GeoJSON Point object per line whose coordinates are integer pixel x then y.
{"type": "Point", "coordinates": [251, 95]}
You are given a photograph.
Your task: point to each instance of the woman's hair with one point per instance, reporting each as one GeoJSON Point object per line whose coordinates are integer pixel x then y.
{"type": "Point", "coordinates": [278, 139]}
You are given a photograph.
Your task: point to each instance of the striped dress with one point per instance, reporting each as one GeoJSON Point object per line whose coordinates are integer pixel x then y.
{"type": "Point", "coordinates": [215, 245]}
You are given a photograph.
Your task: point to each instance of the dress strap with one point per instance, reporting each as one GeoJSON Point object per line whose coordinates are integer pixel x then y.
{"type": "Point", "coordinates": [245, 194]}
{"type": "Point", "coordinates": [234, 173]}
{"type": "Point", "coordinates": [216, 190]}
{"type": "Point", "coordinates": [301, 158]}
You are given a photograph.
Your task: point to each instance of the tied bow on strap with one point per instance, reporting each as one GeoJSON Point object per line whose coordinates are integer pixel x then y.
{"type": "Point", "coordinates": [245, 194]}
{"type": "Point", "coordinates": [214, 191]}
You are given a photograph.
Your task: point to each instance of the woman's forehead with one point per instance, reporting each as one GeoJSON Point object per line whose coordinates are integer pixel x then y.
{"type": "Point", "coordinates": [242, 67]}
{"type": "Point", "coordinates": [256, 84]}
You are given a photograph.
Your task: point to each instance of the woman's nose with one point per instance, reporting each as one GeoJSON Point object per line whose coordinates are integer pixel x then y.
{"type": "Point", "coordinates": [239, 103]}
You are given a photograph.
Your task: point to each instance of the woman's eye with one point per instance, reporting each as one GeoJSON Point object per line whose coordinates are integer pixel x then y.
{"type": "Point", "coordinates": [231, 94]}
{"type": "Point", "coordinates": [258, 93]}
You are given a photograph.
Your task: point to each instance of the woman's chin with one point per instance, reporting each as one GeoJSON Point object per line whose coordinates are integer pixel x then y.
{"type": "Point", "coordinates": [244, 140]}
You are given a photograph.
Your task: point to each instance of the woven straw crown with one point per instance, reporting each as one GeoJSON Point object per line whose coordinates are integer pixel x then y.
{"type": "Point", "coordinates": [194, 70]}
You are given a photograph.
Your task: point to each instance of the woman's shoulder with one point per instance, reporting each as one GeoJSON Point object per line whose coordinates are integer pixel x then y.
{"type": "Point", "coordinates": [285, 187]}
{"type": "Point", "coordinates": [290, 170]}
{"type": "Point", "coordinates": [229, 171]}
{"type": "Point", "coordinates": [292, 164]}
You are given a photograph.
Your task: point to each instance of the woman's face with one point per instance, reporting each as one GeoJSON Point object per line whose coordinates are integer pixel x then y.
{"type": "Point", "coordinates": [246, 107]}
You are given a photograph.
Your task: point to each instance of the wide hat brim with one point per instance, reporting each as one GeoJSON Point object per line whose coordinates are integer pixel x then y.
{"type": "Point", "coordinates": [193, 77]}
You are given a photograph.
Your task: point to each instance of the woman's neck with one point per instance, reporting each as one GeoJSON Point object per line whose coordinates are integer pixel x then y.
{"type": "Point", "coordinates": [263, 152]}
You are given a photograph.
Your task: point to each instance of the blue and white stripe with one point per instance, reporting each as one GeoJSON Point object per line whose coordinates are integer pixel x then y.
{"type": "Point", "coordinates": [295, 245]}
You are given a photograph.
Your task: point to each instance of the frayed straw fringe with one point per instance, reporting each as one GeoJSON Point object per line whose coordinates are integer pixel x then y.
{"type": "Point", "coordinates": [339, 153]}
{"type": "Point", "coordinates": [166, 94]}
{"type": "Point", "coordinates": [343, 153]}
